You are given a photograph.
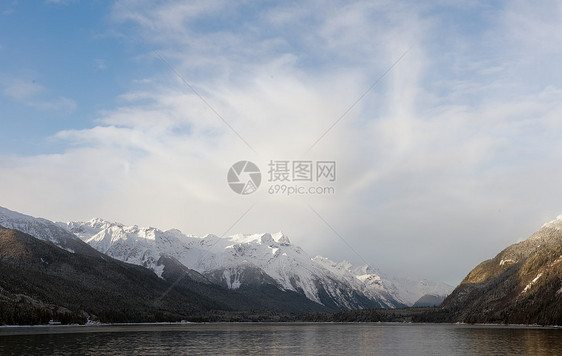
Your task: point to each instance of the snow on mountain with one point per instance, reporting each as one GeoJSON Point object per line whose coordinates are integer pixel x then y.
{"type": "Point", "coordinates": [40, 228]}
{"type": "Point", "coordinates": [409, 289]}
{"type": "Point", "coordinates": [554, 224]}
{"type": "Point", "coordinates": [370, 284]}
{"type": "Point", "coordinates": [234, 261]}
{"type": "Point", "coordinates": [141, 246]}
{"type": "Point", "coordinates": [239, 260]}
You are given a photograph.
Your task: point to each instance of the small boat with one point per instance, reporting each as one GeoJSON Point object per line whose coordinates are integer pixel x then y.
{"type": "Point", "coordinates": [52, 322]}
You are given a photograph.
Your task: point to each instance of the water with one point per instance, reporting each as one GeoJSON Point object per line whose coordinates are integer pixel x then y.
{"type": "Point", "coordinates": [282, 339]}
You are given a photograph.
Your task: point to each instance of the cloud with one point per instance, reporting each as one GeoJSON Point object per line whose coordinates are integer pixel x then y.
{"type": "Point", "coordinates": [449, 158]}
{"type": "Point", "coordinates": [59, 2]}
{"type": "Point", "coordinates": [19, 89]}
{"type": "Point", "coordinates": [100, 64]}
{"type": "Point", "coordinates": [34, 95]}
{"type": "Point", "coordinates": [60, 104]}
{"type": "Point", "coordinates": [9, 8]}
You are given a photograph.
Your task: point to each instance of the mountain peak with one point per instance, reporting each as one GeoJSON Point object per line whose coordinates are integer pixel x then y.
{"type": "Point", "coordinates": [521, 284]}
{"type": "Point", "coordinates": [13, 216]}
{"type": "Point", "coordinates": [99, 223]}
{"type": "Point", "coordinates": [45, 230]}
{"type": "Point", "coordinates": [281, 238]}
{"type": "Point", "coordinates": [263, 238]}
{"type": "Point", "coordinates": [554, 224]}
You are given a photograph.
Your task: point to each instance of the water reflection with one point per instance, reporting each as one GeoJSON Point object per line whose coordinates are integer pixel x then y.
{"type": "Point", "coordinates": [283, 339]}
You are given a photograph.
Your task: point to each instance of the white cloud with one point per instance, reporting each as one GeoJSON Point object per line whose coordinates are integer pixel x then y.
{"type": "Point", "coordinates": [100, 63]}
{"type": "Point", "coordinates": [59, 2]}
{"type": "Point", "coordinates": [447, 160]}
{"type": "Point", "coordinates": [19, 89]}
{"type": "Point", "coordinates": [60, 104]}
{"type": "Point", "coordinates": [32, 94]}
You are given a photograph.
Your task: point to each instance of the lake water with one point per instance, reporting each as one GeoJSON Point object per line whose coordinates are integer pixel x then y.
{"type": "Point", "coordinates": [282, 339]}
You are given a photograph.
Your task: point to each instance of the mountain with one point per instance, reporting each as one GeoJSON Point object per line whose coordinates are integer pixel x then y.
{"type": "Point", "coordinates": [41, 281]}
{"type": "Point", "coordinates": [239, 272]}
{"type": "Point", "coordinates": [410, 289]}
{"type": "Point", "coordinates": [429, 300]}
{"type": "Point", "coordinates": [238, 262]}
{"type": "Point", "coordinates": [250, 262]}
{"type": "Point", "coordinates": [55, 274]}
{"type": "Point", "coordinates": [44, 230]}
{"type": "Point", "coordinates": [522, 284]}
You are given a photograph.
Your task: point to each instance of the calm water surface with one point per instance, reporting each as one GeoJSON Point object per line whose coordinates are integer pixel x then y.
{"type": "Point", "coordinates": [282, 339]}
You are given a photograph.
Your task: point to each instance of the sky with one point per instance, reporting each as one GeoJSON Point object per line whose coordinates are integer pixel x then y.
{"type": "Point", "coordinates": [441, 121]}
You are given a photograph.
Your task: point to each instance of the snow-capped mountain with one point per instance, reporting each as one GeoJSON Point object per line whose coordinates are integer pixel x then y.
{"type": "Point", "coordinates": [236, 261]}
{"type": "Point", "coordinates": [43, 229]}
{"type": "Point", "coordinates": [248, 260]}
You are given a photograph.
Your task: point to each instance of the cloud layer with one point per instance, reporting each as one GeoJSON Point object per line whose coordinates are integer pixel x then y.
{"type": "Point", "coordinates": [451, 156]}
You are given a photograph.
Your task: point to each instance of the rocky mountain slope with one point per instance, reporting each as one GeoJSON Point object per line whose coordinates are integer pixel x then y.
{"type": "Point", "coordinates": [522, 284]}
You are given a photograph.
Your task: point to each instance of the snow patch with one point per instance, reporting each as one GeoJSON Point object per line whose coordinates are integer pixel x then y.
{"type": "Point", "coordinates": [554, 224]}
{"type": "Point", "coordinates": [503, 262]}
{"type": "Point", "coordinates": [232, 279]}
{"type": "Point", "coordinates": [159, 270]}
{"type": "Point", "coordinates": [528, 286]}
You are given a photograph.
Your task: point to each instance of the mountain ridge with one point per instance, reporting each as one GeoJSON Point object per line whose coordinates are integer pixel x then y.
{"type": "Point", "coordinates": [230, 261]}
{"type": "Point", "coordinates": [219, 258]}
{"type": "Point", "coordinates": [521, 284]}
{"type": "Point", "coordinates": [252, 265]}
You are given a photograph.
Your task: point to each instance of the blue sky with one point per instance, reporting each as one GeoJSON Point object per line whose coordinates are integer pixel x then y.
{"type": "Point", "coordinates": [454, 154]}
{"type": "Point", "coordinates": [60, 65]}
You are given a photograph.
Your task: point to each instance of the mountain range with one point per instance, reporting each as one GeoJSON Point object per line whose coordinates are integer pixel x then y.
{"type": "Point", "coordinates": [240, 272]}
{"type": "Point", "coordinates": [97, 270]}
{"type": "Point", "coordinates": [242, 261]}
